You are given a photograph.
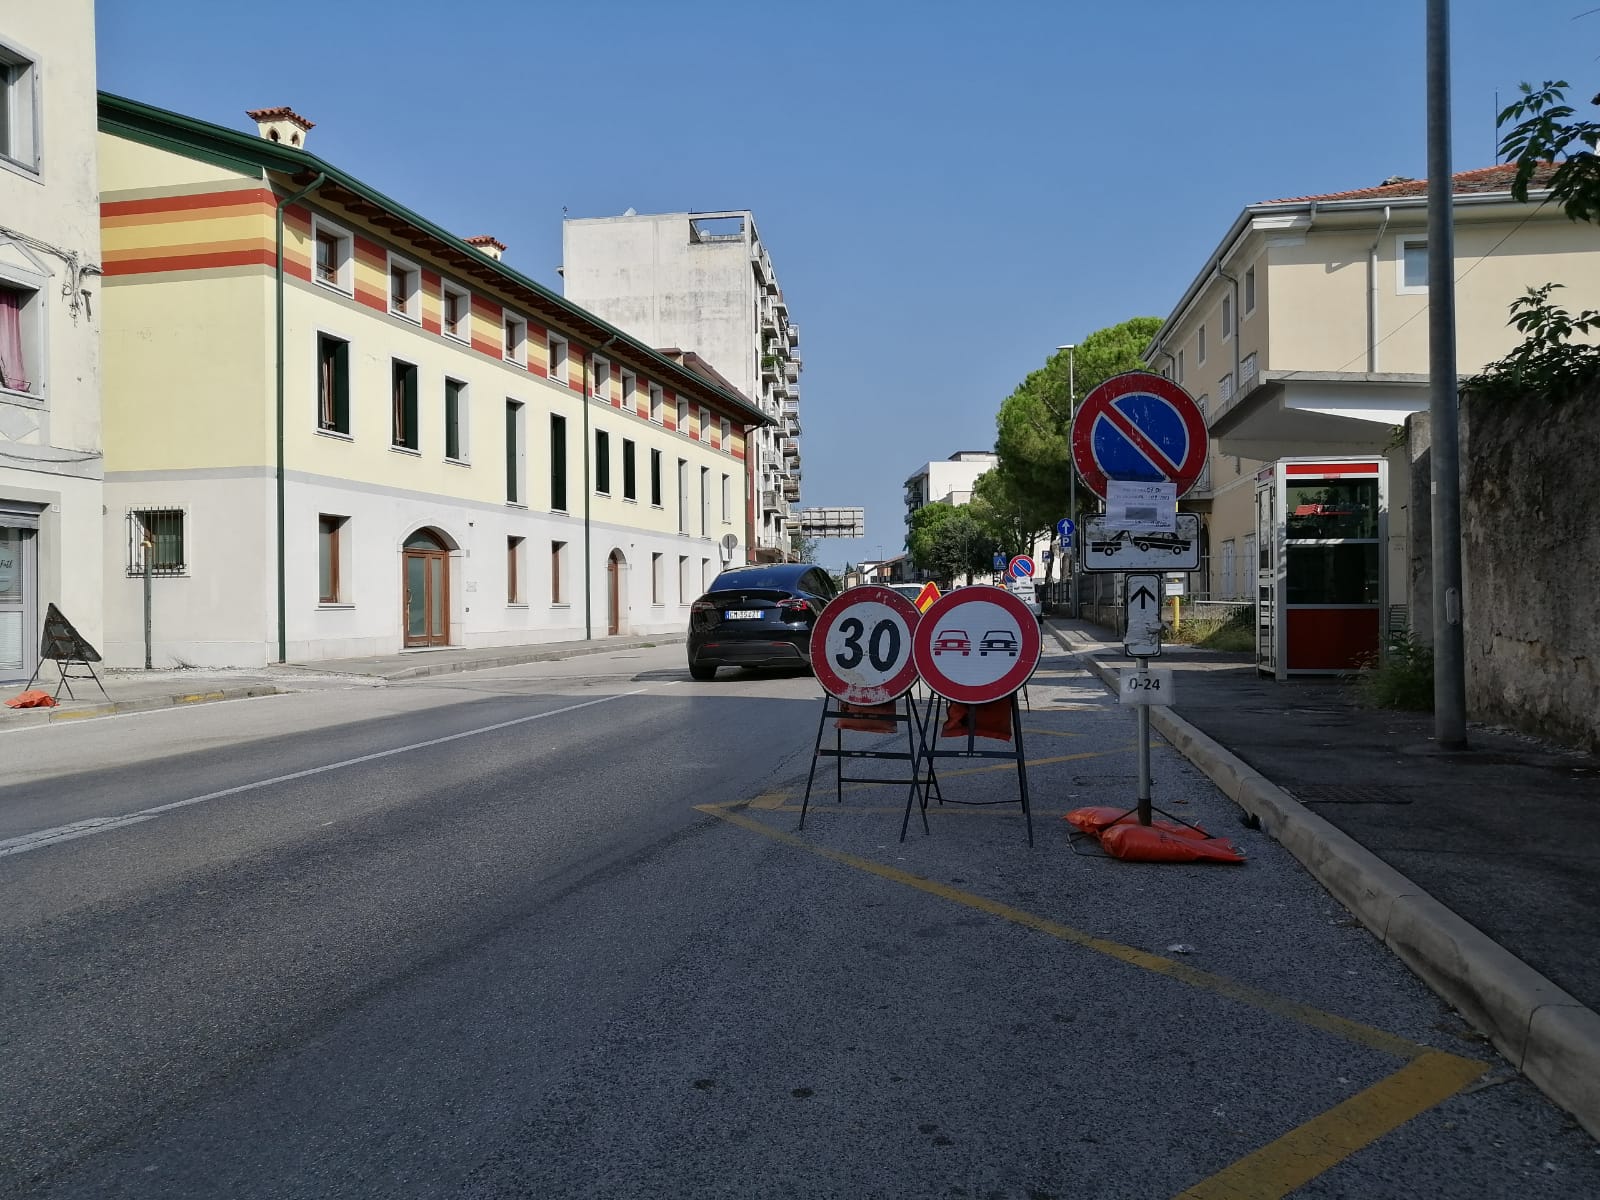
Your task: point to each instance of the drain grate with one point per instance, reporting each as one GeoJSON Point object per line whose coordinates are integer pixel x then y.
{"type": "Point", "coordinates": [1333, 793]}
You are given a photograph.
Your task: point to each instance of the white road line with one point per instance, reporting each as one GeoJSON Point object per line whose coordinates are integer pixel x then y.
{"type": "Point", "coordinates": [78, 829]}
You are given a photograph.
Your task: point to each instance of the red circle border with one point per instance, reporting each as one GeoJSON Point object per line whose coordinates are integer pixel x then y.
{"type": "Point", "coordinates": [1101, 398]}
{"type": "Point", "coordinates": [900, 683]}
{"type": "Point", "coordinates": [1008, 684]}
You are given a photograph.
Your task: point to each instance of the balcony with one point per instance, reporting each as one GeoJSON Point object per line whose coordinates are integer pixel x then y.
{"type": "Point", "coordinates": [791, 488]}
{"type": "Point", "coordinates": [769, 320]}
{"type": "Point", "coordinates": [769, 500]}
{"type": "Point", "coordinates": [791, 371]}
{"type": "Point", "coordinates": [794, 339]}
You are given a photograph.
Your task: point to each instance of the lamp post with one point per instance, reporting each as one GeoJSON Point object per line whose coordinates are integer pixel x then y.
{"type": "Point", "coordinates": [1072, 472]}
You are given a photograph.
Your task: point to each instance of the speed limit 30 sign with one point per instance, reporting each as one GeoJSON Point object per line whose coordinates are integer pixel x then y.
{"type": "Point", "coordinates": [861, 645]}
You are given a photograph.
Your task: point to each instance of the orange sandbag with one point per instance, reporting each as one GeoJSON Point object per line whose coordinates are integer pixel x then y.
{"type": "Point", "coordinates": [994, 721]}
{"type": "Point", "coordinates": [1100, 816]}
{"type": "Point", "coordinates": [33, 699]}
{"type": "Point", "coordinates": [867, 721]}
{"type": "Point", "coordinates": [1146, 843]}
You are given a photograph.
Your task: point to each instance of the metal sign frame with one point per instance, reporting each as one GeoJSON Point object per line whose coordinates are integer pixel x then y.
{"type": "Point", "coordinates": [1103, 548]}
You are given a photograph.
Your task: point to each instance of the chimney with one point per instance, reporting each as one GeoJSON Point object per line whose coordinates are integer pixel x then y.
{"type": "Point", "coordinates": [281, 125]}
{"type": "Point", "coordinates": [491, 246]}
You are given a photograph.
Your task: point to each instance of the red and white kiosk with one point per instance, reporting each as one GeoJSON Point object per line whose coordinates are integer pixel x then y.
{"type": "Point", "coordinates": [1322, 531]}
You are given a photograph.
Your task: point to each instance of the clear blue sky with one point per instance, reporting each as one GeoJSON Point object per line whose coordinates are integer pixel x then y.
{"type": "Point", "coordinates": [948, 190]}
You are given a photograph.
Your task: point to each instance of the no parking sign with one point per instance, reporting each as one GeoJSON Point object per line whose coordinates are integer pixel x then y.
{"type": "Point", "coordinates": [1139, 427]}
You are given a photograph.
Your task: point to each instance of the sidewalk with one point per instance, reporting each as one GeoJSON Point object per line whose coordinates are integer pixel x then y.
{"type": "Point", "coordinates": [141, 691]}
{"type": "Point", "coordinates": [1477, 867]}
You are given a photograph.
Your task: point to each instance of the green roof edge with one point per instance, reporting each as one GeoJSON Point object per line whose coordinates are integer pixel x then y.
{"type": "Point", "coordinates": [232, 149]}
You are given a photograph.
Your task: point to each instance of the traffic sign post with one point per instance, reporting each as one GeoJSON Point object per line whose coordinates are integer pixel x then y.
{"type": "Point", "coordinates": [1139, 428]}
{"type": "Point", "coordinates": [1064, 529]}
{"type": "Point", "coordinates": [1141, 636]}
{"type": "Point", "coordinates": [976, 646]}
{"type": "Point", "coordinates": [1021, 567]}
{"type": "Point", "coordinates": [861, 654]}
{"type": "Point", "coordinates": [1108, 548]}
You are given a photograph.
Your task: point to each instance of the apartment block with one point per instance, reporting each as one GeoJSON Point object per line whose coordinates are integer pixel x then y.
{"type": "Point", "coordinates": [704, 282]}
{"type": "Point", "coordinates": [50, 314]}
{"type": "Point", "coordinates": [335, 428]}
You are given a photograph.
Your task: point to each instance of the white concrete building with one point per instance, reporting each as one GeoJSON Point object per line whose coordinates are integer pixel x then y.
{"type": "Point", "coordinates": [949, 481]}
{"type": "Point", "coordinates": [50, 463]}
{"type": "Point", "coordinates": [704, 282]}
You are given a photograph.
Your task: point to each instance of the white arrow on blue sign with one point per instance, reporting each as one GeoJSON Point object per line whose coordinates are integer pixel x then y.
{"type": "Point", "coordinates": [1064, 530]}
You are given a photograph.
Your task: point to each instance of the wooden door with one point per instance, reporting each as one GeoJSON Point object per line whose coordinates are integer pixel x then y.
{"type": "Point", "coordinates": [425, 577]}
{"type": "Point", "coordinates": [614, 596]}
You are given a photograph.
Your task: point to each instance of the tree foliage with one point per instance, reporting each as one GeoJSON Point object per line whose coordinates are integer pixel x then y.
{"type": "Point", "coordinates": [1008, 515]}
{"type": "Point", "coordinates": [1547, 363]}
{"type": "Point", "coordinates": [1544, 132]}
{"type": "Point", "coordinates": [1033, 422]}
{"type": "Point", "coordinates": [947, 541]}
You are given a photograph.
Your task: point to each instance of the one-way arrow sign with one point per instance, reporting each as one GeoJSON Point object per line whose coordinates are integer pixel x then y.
{"type": "Point", "coordinates": [1142, 633]}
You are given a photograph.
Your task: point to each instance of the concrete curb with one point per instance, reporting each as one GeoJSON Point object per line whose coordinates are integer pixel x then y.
{"type": "Point", "coordinates": [1543, 1031]}
{"type": "Point", "coordinates": [151, 703]}
{"type": "Point", "coordinates": [517, 658]}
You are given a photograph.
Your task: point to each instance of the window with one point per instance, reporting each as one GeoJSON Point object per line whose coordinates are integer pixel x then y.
{"type": "Point", "coordinates": [705, 424]}
{"type": "Point", "coordinates": [156, 535]}
{"type": "Point", "coordinates": [683, 496]}
{"type": "Point", "coordinates": [680, 418]}
{"type": "Point", "coordinates": [1227, 317]}
{"type": "Point", "coordinates": [705, 501]}
{"type": "Point", "coordinates": [516, 450]}
{"type": "Point", "coordinates": [558, 463]}
{"type": "Point", "coordinates": [558, 558]}
{"type": "Point", "coordinates": [515, 588]}
{"type": "Point", "coordinates": [655, 479]}
{"type": "Point", "coordinates": [727, 500]}
{"type": "Point", "coordinates": [601, 386]}
{"type": "Point", "coordinates": [630, 388]}
{"type": "Point", "coordinates": [705, 574]}
{"type": "Point", "coordinates": [1249, 291]}
{"type": "Point", "coordinates": [1200, 347]}
{"type": "Point", "coordinates": [19, 109]}
{"type": "Point", "coordinates": [333, 384]}
{"type": "Point", "coordinates": [556, 360]}
{"type": "Point", "coordinates": [683, 579]}
{"type": "Point", "coordinates": [727, 435]}
{"type": "Point", "coordinates": [455, 420]}
{"type": "Point", "coordinates": [455, 311]}
{"type": "Point", "coordinates": [515, 345]}
{"type": "Point", "coordinates": [657, 403]}
{"type": "Point", "coordinates": [332, 547]}
{"type": "Point", "coordinates": [1180, 366]}
{"type": "Point", "coordinates": [405, 289]}
{"type": "Point", "coordinates": [403, 406]}
{"type": "Point", "coordinates": [630, 481]}
{"type": "Point", "coordinates": [21, 340]}
{"type": "Point", "coordinates": [602, 462]}
{"type": "Point", "coordinates": [658, 582]}
{"type": "Point", "coordinates": [333, 265]}
{"type": "Point", "coordinates": [1413, 261]}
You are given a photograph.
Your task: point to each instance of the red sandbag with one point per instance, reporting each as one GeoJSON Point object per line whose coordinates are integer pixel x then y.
{"type": "Point", "coordinates": [33, 699]}
{"type": "Point", "coordinates": [867, 721]}
{"type": "Point", "coordinates": [1146, 843]}
{"type": "Point", "coordinates": [1100, 816]}
{"type": "Point", "coordinates": [994, 721]}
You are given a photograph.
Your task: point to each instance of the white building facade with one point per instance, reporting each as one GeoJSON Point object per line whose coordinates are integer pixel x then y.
{"type": "Point", "coordinates": [50, 462]}
{"type": "Point", "coordinates": [704, 282]}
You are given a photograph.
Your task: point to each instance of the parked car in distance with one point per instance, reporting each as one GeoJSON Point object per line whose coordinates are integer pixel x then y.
{"type": "Point", "coordinates": [954, 641]}
{"type": "Point", "coordinates": [1001, 641]}
{"type": "Point", "coordinates": [757, 616]}
{"type": "Point", "coordinates": [909, 590]}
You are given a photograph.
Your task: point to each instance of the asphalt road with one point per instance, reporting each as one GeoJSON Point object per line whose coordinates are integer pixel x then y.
{"type": "Point", "coordinates": [552, 931]}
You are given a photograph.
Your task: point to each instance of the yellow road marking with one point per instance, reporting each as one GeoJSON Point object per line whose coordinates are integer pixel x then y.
{"type": "Point", "coordinates": [1304, 1014]}
{"type": "Point", "coordinates": [770, 800]}
{"type": "Point", "coordinates": [1051, 733]}
{"type": "Point", "coordinates": [1302, 1154]}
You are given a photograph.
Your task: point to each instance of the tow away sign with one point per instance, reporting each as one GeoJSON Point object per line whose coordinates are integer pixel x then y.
{"type": "Point", "coordinates": [1109, 547]}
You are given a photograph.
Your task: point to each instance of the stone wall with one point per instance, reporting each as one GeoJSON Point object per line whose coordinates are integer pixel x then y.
{"type": "Point", "coordinates": [1530, 519]}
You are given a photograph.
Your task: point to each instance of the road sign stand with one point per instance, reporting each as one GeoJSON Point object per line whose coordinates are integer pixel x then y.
{"type": "Point", "coordinates": [841, 711]}
{"type": "Point", "coordinates": [930, 751]}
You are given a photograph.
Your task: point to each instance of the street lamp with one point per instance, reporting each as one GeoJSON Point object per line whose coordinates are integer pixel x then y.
{"type": "Point", "coordinates": [1072, 471]}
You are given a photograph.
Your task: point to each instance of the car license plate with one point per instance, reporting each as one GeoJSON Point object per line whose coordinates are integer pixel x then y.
{"type": "Point", "coordinates": [743, 614]}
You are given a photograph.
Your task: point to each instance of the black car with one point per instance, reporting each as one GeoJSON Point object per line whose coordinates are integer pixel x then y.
{"type": "Point", "coordinates": [758, 616]}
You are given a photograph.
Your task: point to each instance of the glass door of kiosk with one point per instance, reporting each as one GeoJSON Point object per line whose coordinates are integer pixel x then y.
{"type": "Point", "coordinates": [1321, 526]}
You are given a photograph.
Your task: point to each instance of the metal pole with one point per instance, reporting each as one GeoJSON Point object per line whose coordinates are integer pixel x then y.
{"type": "Point", "coordinates": [149, 546]}
{"type": "Point", "coordinates": [1449, 677]}
{"type": "Point", "coordinates": [1072, 475]}
{"type": "Point", "coordinates": [1144, 754]}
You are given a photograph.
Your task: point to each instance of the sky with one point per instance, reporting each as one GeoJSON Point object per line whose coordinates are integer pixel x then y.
{"type": "Point", "coordinates": [948, 191]}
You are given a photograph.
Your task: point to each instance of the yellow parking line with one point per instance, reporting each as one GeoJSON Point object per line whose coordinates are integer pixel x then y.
{"type": "Point", "coordinates": [1302, 1154]}
{"type": "Point", "coordinates": [1303, 1014]}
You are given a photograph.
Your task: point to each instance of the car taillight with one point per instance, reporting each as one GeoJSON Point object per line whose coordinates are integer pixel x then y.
{"type": "Point", "coordinates": [792, 609]}
{"type": "Point", "coordinates": [700, 606]}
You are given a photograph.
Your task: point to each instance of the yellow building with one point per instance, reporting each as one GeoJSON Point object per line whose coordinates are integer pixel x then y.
{"type": "Point", "coordinates": [334, 429]}
{"type": "Point", "coordinates": [1305, 333]}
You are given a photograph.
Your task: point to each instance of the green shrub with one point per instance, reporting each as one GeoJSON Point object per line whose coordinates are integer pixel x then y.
{"type": "Point", "coordinates": [1402, 677]}
{"type": "Point", "coordinates": [1236, 632]}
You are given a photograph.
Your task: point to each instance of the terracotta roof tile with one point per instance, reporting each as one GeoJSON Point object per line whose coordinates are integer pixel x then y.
{"type": "Point", "coordinates": [1484, 180]}
{"type": "Point", "coordinates": [272, 114]}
